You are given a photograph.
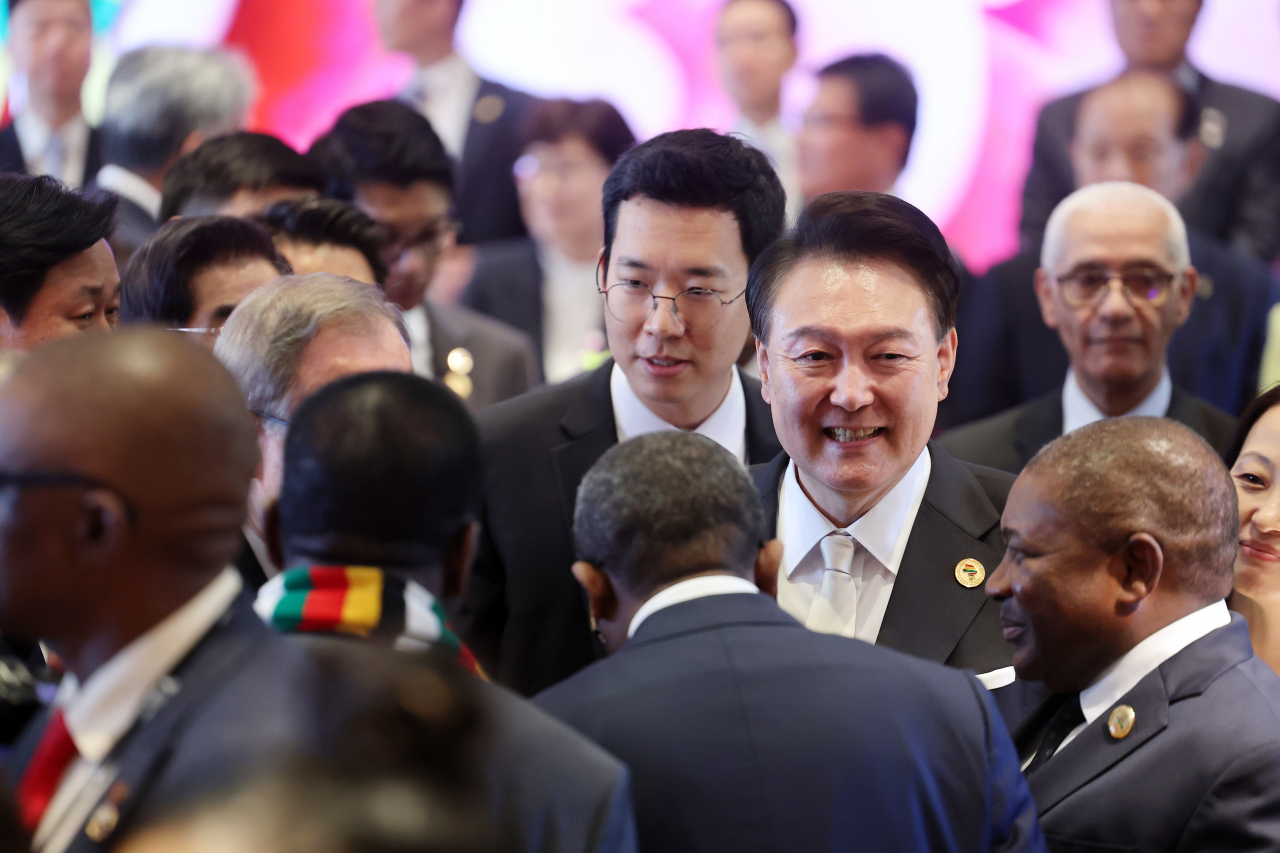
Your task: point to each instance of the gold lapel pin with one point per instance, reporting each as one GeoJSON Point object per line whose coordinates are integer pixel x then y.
{"type": "Point", "coordinates": [1120, 723]}
{"type": "Point", "coordinates": [106, 816]}
{"type": "Point", "coordinates": [970, 573]}
{"type": "Point", "coordinates": [489, 109]}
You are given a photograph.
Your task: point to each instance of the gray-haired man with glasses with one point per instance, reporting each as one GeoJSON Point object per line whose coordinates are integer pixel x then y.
{"type": "Point", "coordinates": [1115, 282]}
{"type": "Point", "coordinates": [685, 215]}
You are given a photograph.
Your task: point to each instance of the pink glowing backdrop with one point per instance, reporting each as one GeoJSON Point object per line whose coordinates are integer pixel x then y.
{"type": "Point", "coordinates": [983, 68]}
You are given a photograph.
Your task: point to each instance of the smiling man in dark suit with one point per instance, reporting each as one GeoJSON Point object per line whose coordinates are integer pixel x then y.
{"type": "Point", "coordinates": [1117, 337]}
{"type": "Point", "coordinates": [1160, 733]}
{"type": "Point", "coordinates": [685, 214]}
{"type": "Point", "coordinates": [886, 537]}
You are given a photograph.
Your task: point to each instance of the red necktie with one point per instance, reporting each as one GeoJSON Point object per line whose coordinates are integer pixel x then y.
{"type": "Point", "coordinates": [40, 781]}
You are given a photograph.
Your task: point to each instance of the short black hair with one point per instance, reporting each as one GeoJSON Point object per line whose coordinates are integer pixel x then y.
{"type": "Point", "coordinates": [885, 90]}
{"type": "Point", "coordinates": [1186, 122]}
{"type": "Point", "coordinates": [42, 224]}
{"type": "Point", "coordinates": [596, 121]}
{"type": "Point", "coordinates": [328, 222]}
{"type": "Point", "coordinates": [1258, 407]}
{"type": "Point", "coordinates": [851, 226]}
{"type": "Point", "coordinates": [666, 506]}
{"type": "Point", "coordinates": [793, 23]}
{"type": "Point", "coordinates": [381, 469]}
{"type": "Point", "coordinates": [155, 285]}
{"type": "Point", "coordinates": [385, 141]}
{"type": "Point", "coordinates": [222, 166]}
{"type": "Point", "coordinates": [705, 170]}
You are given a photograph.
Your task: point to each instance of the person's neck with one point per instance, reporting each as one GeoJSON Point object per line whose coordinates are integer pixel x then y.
{"type": "Point", "coordinates": [762, 113]}
{"type": "Point", "coordinates": [1115, 401]}
{"type": "Point", "coordinates": [1157, 612]}
{"type": "Point", "coordinates": [691, 414]}
{"type": "Point", "coordinates": [56, 111]}
{"type": "Point", "coordinates": [843, 508]}
{"type": "Point", "coordinates": [430, 54]}
{"type": "Point", "coordinates": [1158, 68]}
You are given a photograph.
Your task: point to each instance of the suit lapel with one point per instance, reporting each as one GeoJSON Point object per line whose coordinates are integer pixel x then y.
{"type": "Point", "coordinates": [762, 441]}
{"type": "Point", "coordinates": [768, 477]}
{"type": "Point", "coordinates": [1039, 424]}
{"type": "Point", "coordinates": [930, 610]}
{"type": "Point", "coordinates": [445, 337]}
{"type": "Point", "coordinates": [589, 426]}
{"type": "Point", "coordinates": [1182, 408]}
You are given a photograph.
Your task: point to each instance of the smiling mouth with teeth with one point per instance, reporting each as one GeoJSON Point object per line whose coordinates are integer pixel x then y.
{"type": "Point", "coordinates": [846, 435]}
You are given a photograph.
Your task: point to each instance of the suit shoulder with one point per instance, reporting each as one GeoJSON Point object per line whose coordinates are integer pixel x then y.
{"type": "Point", "coordinates": [1219, 427]}
{"type": "Point", "coordinates": [519, 100]}
{"type": "Point", "coordinates": [526, 732]}
{"type": "Point", "coordinates": [986, 444]}
{"type": "Point", "coordinates": [499, 257]}
{"type": "Point", "coordinates": [508, 420]}
{"type": "Point", "coordinates": [495, 334]}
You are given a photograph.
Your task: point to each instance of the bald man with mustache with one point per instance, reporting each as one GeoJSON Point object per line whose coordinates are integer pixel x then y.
{"type": "Point", "coordinates": [125, 463]}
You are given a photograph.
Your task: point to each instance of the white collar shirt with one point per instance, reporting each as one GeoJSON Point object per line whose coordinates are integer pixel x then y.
{"type": "Point", "coordinates": [132, 186]}
{"type": "Point", "coordinates": [1143, 659]}
{"type": "Point", "coordinates": [445, 92]}
{"type": "Point", "coordinates": [99, 713]}
{"type": "Point", "coordinates": [880, 535]}
{"type": "Point", "coordinates": [58, 153]}
{"type": "Point", "coordinates": [702, 586]}
{"type": "Point", "coordinates": [726, 426]}
{"type": "Point", "coordinates": [1079, 411]}
{"type": "Point", "coordinates": [419, 328]}
{"type": "Point", "coordinates": [572, 315]}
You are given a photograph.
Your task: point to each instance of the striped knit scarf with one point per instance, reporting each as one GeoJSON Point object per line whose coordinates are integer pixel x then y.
{"type": "Point", "coordinates": [363, 601]}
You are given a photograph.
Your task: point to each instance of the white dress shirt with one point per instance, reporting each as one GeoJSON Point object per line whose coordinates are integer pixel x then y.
{"type": "Point", "coordinates": [1079, 411]}
{"type": "Point", "coordinates": [445, 92]}
{"type": "Point", "coordinates": [1143, 659]}
{"type": "Point", "coordinates": [881, 535]}
{"type": "Point", "coordinates": [726, 426]}
{"type": "Point", "coordinates": [60, 154]}
{"type": "Point", "coordinates": [415, 320]}
{"type": "Point", "coordinates": [129, 185]}
{"type": "Point", "coordinates": [572, 315]}
{"type": "Point", "coordinates": [779, 145]}
{"type": "Point", "coordinates": [101, 712]}
{"type": "Point", "coordinates": [687, 590]}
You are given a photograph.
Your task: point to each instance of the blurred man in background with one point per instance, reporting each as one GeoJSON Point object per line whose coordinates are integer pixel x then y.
{"type": "Point", "coordinates": [755, 48]}
{"type": "Point", "coordinates": [327, 235]}
{"type": "Point", "coordinates": [545, 284]}
{"type": "Point", "coordinates": [238, 174]}
{"type": "Point", "coordinates": [1235, 196]}
{"type": "Point", "coordinates": [50, 42]}
{"type": "Point", "coordinates": [477, 119]}
{"type": "Point", "coordinates": [162, 103]}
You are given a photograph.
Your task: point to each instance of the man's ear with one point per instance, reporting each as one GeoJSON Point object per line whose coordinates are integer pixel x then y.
{"type": "Point", "coordinates": [1142, 562]}
{"type": "Point", "coordinates": [600, 592]}
{"type": "Point", "coordinates": [768, 559]}
{"type": "Point", "coordinates": [458, 557]}
{"type": "Point", "coordinates": [1186, 295]}
{"type": "Point", "coordinates": [947, 361]}
{"type": "Point", "coordinates": [102, 527]}
{"type": "Point", "coordinates": [1044, 293]}
{"type": "Point", "coordinates": [271, 534]}
{"type": "Point", "coordinates": [762, 361]}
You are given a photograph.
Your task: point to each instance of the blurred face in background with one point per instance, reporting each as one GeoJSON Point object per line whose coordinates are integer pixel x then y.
{"type": "Point", "coordinates": [1257, 478]}
{"type": "Point", "coordinates": [561, 186]}
{"type": "Point", "coordinates": [838, 151]}
{"type": "Point", "coordinates": [1153, 33]}
{"type": "Point", "coordinates": [81, 294]}
{"type": "Point", "coordinates": [306, 258]}
{"type": "Point", "coordinates": [755, 49]}
{"type": "Point", "coordinates": [410, 25]}
{"type": "Point", "coordinates": [218, 289]}
{"type": "Point", "coordinates": [417, 218]}
{"type": "Point", "coordinates": [1127, 131]}
{"type": "Point", "coordinates": [50, 41]}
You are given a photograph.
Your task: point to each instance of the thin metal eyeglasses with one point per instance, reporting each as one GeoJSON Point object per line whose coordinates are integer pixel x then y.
{"type": "Point", "coordinates": [697, 309]}
{"type": "Point", "coordinates": [1082, 288]}
{"type": "Point", "coordinates": [64, 480]}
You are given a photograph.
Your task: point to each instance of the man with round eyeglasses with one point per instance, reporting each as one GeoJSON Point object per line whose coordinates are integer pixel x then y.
{"type": "Point", "coordinates": [685, 214]}
{"type": "Point", "coordinates": [1115, 282]}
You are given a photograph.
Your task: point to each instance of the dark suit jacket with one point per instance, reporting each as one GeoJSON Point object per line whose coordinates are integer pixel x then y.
{"type": "Point", "coordinates": [484, 190]}
{"type": "Point", "coordinates": [11, 159]}
{"type": "Point", "coordinates": [526, 617]}
{"type": "Point", "coordinates": [1236, 196]}
{"type": "Point", "coordinates": [507, 285]}
{"type": "Point", "coordinates": [1008, 441]}
{"type": "Point", "coordinates": [930, 615]}
{"type": "Point", "coordinates": [240, 699]}
{"type": "Point", "coordinates": [745, 732]}
{"type": "Point", "coordinates": [1008, 356]}
{"type": "Point", "coordinates": [133, 226]}
{"type": "Point", "coordinates": [1199, 771]}
{"type": "Point", "coordinates": [505, 365]}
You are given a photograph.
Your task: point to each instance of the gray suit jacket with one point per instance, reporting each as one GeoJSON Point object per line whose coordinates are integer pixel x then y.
{"type": "Point", "coordinates": [1007, 441]}
{"type": "Point", "coordinates": [505, 364]}
{"type": "Point", "coordinates": [1199, 771]}
{"type": "Point", "coordinates": [507, 286]}
{"type": "Point", "coordinates": [1236, 196]}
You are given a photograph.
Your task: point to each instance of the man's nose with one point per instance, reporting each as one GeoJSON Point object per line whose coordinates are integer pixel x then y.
{"type": "Point", "coordinates": [998, 587]}
{"type": "Point", "coordinates": [853, 388]}
{"type": "Point", "coordinates": [663, 321]}
{"type": "Point", "coordinates": [1116, 303]}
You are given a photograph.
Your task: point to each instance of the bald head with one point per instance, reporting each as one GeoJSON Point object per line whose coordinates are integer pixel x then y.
{"type": "Point", "coordinates": [1122, 476]}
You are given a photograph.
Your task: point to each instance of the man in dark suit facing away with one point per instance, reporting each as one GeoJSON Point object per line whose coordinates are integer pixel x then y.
{"type": "Point", "coordinates": [1115, 282]}
{"type": "Point", "coordinates": [1236, 196]}
{"type": "Point", "coordinates": [127, 460]}
{"type": "Point", "coordinates": [1161, 730]}
{"type": "Point", "coordinates": [478, 120]}
{"type": "Point", "coordinates": [685, 214]}
{"type": "Point", "coordinates": [744, 731]}
{"type": "Point", "coordinates": [886, 536]}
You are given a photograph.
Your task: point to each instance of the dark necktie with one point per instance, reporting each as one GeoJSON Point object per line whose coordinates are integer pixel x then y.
{"type": "Point", "coordinates": [1064, 721]}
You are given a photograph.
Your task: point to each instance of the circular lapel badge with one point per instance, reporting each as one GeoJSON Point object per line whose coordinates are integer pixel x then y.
{"type": "Point", "coordinates": [1120, 723]}
{"type": "Point", "coordinates": [970, 573]}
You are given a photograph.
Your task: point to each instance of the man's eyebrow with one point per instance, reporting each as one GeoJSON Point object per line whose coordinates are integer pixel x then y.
{"type": "Point", "coordinates": [896, 333]}
{"type": "Point", "coordinates": [694, 272]}
{"type": "Point", "coordinates": [92, 290]}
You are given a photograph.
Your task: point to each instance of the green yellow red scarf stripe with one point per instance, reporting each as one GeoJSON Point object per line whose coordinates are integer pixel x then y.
{"type": "Point", "coordinates": [330, 598]}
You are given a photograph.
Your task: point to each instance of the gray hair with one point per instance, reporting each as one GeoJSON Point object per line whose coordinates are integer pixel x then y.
{"type": "Point", "coordinates": [1107, 195]}
{"type": "Point", "coordinates": [665, 506]}
{"type": "Point", "coordinates": [263, 339]}
{"type": "Point", "coordinates": [159, 96]}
